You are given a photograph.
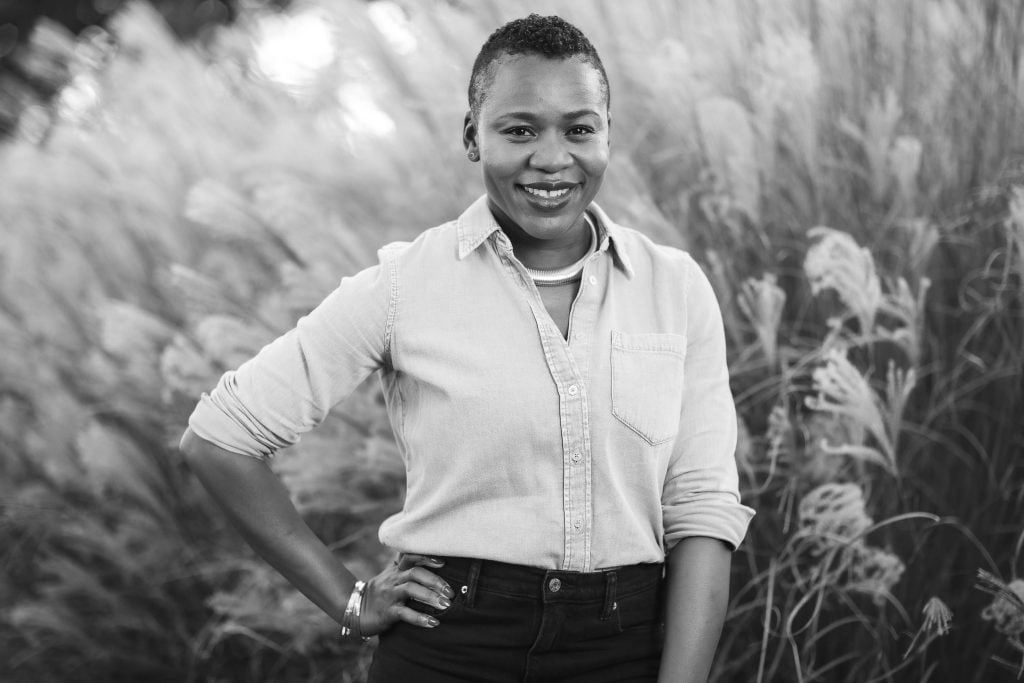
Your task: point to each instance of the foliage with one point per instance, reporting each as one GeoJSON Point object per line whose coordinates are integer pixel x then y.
{"type": "Point", "coordinates": [844, 171]}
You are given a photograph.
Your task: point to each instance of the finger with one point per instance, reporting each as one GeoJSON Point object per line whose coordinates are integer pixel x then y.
{"type": "Point", "coordinates": [430, 580]}
{"type": "Point", "coordinates": [425, 595]}
{"type": "Point", "coordinates": [411, 616]}
{"type": "Point", "coordinates": [408, 560]}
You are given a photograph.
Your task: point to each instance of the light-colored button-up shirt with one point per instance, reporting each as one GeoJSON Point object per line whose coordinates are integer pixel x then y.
{"type": "Point", "coordinates": [519, 445]}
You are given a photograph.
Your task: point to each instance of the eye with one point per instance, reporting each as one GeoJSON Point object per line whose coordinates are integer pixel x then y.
{"type": "Point", "coordinates": [518, 131]}
{"type": "Point", "coordinates": [580, 131]}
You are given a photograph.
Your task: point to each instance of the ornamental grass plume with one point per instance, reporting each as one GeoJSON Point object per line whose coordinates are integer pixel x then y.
{"type": "Point", "coordinates": [185, 369]}
{"type": "Point", "coordinates": [832, 514]}
{"type": "Point", "coordinates": [843, 391]}
{"type": "Point", "coordinates": [872, 570]}
{"type": "Point", "coordinates": [899, 383]}
{"type": "Point", "coordinates": [876, 139]}
{"type": "Point", "coordinates": [785, 97]}
{"type": "Point", "coordinates": [832, 524]}
{"type": "Point", "coordinates": [778, 436]}
{"type": "Point", "coordinates": [221, 210]}
{"type": "Point", "coordinates": [921, 237]}
{"type": "Point", "coordinates": [761, 301]}
{"type": "Point", "coordinates": [730, 146]}
{"type": "Point", "coordinates": [937, 616]}
{"type": "Point", "coordinates": [228, 340]}
{"type": "Point", "coordinates": [835, 261]}
{"type": "Point", "coordinates": [1015, 225]}
{"type": "Point", "coordinates": [909, 310]}
{"type": "Point", "coordinates": [904, 165]}
{"type": "Point", "coordinates": [1006, 611]}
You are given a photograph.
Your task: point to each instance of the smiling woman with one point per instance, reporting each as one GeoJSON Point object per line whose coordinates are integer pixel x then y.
{"type": "Point", "coordinates": [559, 392]}
{"type": "Point", "coordinates": [542, 139]}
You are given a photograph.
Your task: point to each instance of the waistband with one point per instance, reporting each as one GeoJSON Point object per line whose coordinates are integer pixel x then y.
{"type": "Point", "coordinates": [469, 575]}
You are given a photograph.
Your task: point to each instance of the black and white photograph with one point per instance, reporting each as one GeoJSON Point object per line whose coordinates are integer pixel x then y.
{"type": "Point", "coordinates": [511, 341]}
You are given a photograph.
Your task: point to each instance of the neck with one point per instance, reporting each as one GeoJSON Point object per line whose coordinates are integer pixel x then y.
{"type": "Point", "coordinates": [547, 254]}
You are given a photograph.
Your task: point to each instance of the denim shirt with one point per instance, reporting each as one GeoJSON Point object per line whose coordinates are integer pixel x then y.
{"type": "Point", "coordinates": [519, 445]}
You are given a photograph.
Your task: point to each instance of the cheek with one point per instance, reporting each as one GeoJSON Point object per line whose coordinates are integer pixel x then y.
{"type": "Point", "coordinates": [497, 167]}
{"type": "Point", "coordinates": [595, 162]}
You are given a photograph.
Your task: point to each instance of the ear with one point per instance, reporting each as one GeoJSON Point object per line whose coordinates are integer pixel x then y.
{"type": "Point", "coordinates": [469, 135]}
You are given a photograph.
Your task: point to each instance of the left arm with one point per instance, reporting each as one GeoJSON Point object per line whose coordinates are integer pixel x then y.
{"type": "Point", "coordinates": [703, 517]}
{"type": "Point", "coordinates": [697, 596]}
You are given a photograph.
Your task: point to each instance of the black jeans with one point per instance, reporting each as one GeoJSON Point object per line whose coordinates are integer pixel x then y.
{"type": "Point", "coordinates": [513, 623]}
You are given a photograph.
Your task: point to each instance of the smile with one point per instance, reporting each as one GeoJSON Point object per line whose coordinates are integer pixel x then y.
{"type": "Point", "coordinates": [547, 194]}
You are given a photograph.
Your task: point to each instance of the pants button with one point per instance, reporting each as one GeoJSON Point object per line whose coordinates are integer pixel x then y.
{"type": "Point", "coordinates": [554, 585]}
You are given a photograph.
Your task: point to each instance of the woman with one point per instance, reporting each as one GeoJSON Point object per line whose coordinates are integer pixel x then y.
{"type": "Point", "coordinates": [558, 389]}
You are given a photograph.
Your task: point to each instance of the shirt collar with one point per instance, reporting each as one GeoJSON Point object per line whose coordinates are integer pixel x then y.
{"type": "Point", "coordinates": [477, 223]}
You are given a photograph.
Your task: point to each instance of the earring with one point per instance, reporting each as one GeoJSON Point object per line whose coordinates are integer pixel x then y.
{"type": "Point", "coordinates": [471, 155]}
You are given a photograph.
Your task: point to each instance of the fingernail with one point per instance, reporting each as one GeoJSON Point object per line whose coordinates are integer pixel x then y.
{"type": "Point", "coordinates": [432, 622]}
{"type": "Point", "coordinates": [447, 590]}
{"type": "Point", "coordinates": [435, 560]}
{"type": "Point", "coordinates": [445, 603]}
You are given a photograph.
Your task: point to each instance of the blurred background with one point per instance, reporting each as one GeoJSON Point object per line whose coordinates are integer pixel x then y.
{"type": "Point", "coordinates": [180, 181]}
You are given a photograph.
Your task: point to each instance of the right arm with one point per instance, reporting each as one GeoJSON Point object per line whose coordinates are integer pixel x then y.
{"type": "Point", "coordinates": [258, 506]}
{"type": "Point", "coordinates": [264, 406]}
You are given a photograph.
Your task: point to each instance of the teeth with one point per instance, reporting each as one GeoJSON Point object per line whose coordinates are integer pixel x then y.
{"type": "Point", "coordinates": [547, 194]}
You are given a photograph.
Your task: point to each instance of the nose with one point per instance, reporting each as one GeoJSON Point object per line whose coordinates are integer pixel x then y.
{"type": "Point", "coordinates": [550, 154]}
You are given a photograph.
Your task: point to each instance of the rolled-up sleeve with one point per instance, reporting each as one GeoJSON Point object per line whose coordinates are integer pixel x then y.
{"type": "Point", "coordinates": [292, 383]}
{"type": "Point", "coordinates": [701, 492]}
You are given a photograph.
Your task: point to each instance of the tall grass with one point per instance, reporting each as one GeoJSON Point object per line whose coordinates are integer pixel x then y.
{"type": "Point", "coordinates": [846, 172]}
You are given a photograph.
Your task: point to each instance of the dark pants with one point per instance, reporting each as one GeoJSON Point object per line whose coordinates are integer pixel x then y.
{"type": "Point", "coordinates": [513, 623]}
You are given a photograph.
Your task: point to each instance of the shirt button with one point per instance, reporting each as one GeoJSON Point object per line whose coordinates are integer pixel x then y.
{"type": "Point", "coordinates": [554, 585]}
{"type": "Point", "coordinates": [577, 524]}
{"type": "Point", "coordinates": [592, 280]}
{"type": "Point", "coordinates": [576, 457]}
{"type": "Point", "coordinates": [573, 390]}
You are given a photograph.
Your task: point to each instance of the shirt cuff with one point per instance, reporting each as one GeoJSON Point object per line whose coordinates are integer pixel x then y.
{"type": "Point", "coordinates": [714, 515]}
{"type": "Point", "coordinates": [224, 424]}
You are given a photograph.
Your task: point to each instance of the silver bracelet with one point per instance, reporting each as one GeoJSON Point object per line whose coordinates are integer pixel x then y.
{"type": "Point", "coordinates": [350, 626]}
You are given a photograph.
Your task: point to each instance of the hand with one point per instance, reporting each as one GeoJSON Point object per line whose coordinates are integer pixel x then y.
{"type": "Point", "coordinates": [385, 594]}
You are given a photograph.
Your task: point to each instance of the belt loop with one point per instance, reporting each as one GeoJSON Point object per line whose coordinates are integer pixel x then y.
{"type": "Point", "coordinates": [610, 579]}
{"type": "Point", "coordinates": [472, 576]}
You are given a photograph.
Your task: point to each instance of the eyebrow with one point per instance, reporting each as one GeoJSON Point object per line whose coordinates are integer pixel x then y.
{"type": "Point", "coordinates": [530, 116]}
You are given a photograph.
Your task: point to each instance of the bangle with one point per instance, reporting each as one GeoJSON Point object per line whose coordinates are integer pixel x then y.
{"type": "Point", "coordinates": [350, 627]}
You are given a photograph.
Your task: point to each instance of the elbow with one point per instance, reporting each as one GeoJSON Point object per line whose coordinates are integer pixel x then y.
{"type": "Point", "coordinates": [204, 456]}
{"type": "Point", "coordinates": [186, 446]}
{"type": "Point", "coordinates": [191, 448]}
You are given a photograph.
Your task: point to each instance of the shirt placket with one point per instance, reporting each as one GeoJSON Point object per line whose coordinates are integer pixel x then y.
{"type": "Point", "coordinates": [564, 361]}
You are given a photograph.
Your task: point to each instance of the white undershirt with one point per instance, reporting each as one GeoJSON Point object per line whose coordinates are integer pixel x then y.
{"type": "Point", "coordinates": [569, 273]}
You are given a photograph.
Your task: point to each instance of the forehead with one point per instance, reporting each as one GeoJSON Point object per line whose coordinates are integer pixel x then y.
{"type": "Point", "coordinates": [534, 82]}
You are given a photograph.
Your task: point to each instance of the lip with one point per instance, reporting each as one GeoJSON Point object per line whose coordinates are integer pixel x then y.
{"type": "Point", "coordinates": [549, 185]}
{"type": "Point", "coordinates": [549, 204]}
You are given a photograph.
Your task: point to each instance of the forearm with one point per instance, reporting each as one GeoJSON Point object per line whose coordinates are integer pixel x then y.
{"type": "Point", "coordinates": [697, 597]}
{"type": "Point", "coordinates": [258, 506]}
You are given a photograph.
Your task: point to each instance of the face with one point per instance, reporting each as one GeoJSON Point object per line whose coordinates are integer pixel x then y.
{"type": "Point", "coordinates": [542, 140]}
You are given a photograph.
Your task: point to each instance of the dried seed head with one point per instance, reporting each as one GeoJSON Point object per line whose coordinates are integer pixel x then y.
{"type": "Point", "coordinates": [1006, 611]}
{"type": "Point", "coordinates": [838, 263]}
{"type": "Point", "coordinates": [874, 571]}
{"type": "Point", "coordinates": [937, 616]}
{"type": "Point", "coordinates": [833, 513]}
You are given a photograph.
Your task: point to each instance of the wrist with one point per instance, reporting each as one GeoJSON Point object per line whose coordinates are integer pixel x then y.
{"type": "Point", "coordinates": [350, 622]}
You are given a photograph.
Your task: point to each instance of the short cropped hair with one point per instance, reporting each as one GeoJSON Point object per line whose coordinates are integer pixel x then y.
{"type": "Point", "coordinates": [551, 37]}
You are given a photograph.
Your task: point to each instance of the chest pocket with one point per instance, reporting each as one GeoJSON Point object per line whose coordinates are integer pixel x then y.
{"type": "Point", "coordinates": [647, 383]}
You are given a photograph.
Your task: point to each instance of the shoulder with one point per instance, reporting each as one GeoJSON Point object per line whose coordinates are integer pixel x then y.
{"type": "Point", "coordinates": [434, 245]}
{"type": "Point", "coordinates": [657, 262]}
